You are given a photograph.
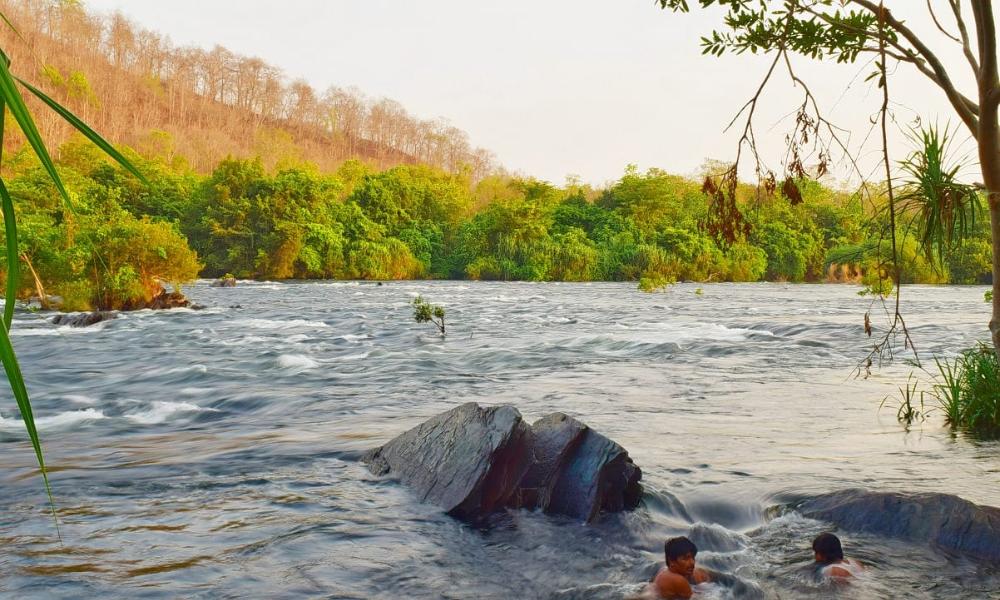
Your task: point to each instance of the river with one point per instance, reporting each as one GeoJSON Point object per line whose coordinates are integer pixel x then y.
{"type": "Point", "coordinates": [213, 453]}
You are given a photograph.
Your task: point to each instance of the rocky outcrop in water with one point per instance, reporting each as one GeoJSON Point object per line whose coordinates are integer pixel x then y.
{"type": "Point", "coordinates": [467, 460]}
{"type": "Point", "coordinates": [942, 520]}
{"type": "Point", "coordinates": [225, 281]}
{"type": "Point", "coordinates": [83, 319]}
{"type": "Point", "coordinates": [473, 461]}
{"type": "Point", "coordinates": [577, 471]}
{"type": "Point", "coordinates": [164, 300]}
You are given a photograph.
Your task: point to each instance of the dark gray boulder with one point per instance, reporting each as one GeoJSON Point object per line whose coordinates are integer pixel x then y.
{"type": "Point", "coordinates": [942, 520]}
{"type": "Point", "coordinates": [555, 439]}
{"type": "Point", "coordinates": [467, 460]}
{"type": "Point", "coordinates": [598, 476]}
{"type": "Point", "coordinates": [83, 319]}
{"type": "Point", "coordinates": [473, 461]}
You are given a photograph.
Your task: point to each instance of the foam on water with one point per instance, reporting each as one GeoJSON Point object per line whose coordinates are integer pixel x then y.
{"type": "Point", "coordinates": [361, 356]}
{"type": "Point", "coordinates": [80, 399]}
{"type": "Point", "coordinates": [59, 330]}
{"type": "Point", "coordinates": [60, 420]}
{"type": "Point", "coordinates": [350, 337]}
{"type": "Point", "coordinates": [296, 363]}
{"type": "Point", "coordinates": [278, 324]}
{"type": "Point", "coordinates": [163, 410]}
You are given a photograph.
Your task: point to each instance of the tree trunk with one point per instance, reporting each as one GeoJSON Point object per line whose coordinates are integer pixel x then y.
{"type": "Point", "coordinates": [989, 157]}
{"type": "Point", "coordinates": [988, 139]}
{"type": "Point", "coordinates": [43, 299]}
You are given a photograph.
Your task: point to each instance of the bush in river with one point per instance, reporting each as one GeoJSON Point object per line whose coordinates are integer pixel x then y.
{"type": "Point", "coordinates": [969, 389]}
{"type": "Point", "coordinates": [424, 312]}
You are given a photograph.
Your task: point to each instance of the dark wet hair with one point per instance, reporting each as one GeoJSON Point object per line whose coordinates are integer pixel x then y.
{"type": "Point", "coordinates": [677, 547]}
{"type": "Point", "coordinates": [828, 545]}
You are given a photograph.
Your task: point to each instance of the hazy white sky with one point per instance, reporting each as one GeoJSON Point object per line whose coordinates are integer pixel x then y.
{"type": "Point", "coordinates": [552, 87]}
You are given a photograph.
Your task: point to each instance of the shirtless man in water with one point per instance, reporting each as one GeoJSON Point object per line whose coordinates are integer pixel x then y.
{"type": "Point", "coordinates": [830, 558]}
{"type": "Point", "coordinates": [675, 580]}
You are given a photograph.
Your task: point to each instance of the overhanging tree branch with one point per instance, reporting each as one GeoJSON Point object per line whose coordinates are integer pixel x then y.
{"type": "Point", "coordinates": [959, 102]}
{"type": "Point", "coordinates": [956, 9]}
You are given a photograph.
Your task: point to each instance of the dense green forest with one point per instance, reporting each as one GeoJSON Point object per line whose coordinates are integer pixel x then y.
{"type": "Point", "coordinates": [121, 239]}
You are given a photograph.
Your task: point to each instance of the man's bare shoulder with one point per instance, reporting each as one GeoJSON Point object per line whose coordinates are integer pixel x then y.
{"type": "Point", "coordinates": [671, 585]}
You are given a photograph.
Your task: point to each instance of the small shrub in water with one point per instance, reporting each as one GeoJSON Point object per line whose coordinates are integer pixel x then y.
{"type": "Point", "coordinates": [653, 283]}
{"type": "Point", "coordinates": [910, 397]}
{"type": "Point", "coordinates": [424, 312]}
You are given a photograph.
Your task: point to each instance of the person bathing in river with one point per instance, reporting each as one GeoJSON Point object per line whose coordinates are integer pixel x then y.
{"type": "Point", "coordinates": [830, 561]}
{"type": "Point", "coordinates": [675, 580]}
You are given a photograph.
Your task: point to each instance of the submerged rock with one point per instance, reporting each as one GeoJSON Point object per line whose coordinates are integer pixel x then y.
{"type": "Point", "coordinates": [83, 319]}
{"type": "Point", "coordinates": [942, 520]}
{"type": "Point", "coordinates": [225, 281]}
{"type": "Point", "coordinates": [467, 460]}
{"type": "Point", "coordinates": [473, 461]}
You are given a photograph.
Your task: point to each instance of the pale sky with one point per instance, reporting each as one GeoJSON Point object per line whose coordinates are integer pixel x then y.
{"type": "Point", "coordinates": [552, 87]}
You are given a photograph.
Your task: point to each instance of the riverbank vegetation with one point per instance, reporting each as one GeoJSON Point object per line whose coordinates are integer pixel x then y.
{"type": "Point", "coordinates": [416, 221]}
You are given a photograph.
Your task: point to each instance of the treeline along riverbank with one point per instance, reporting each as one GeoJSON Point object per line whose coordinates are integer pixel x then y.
{"type": "Point", "coordinates": [121, 238]}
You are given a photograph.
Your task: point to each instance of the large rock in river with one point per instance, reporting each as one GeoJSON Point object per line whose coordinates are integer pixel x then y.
{"type": "Point", "coordinates": [577, 471]}
{"type": "Point", "coordinates": [467, 460]}
{"type": "Point", "coordinates": [83, 319]}
{"type": "Point", "coordinates": [942, 520]}
{"type": "Point", "coordinates": [473, 461]}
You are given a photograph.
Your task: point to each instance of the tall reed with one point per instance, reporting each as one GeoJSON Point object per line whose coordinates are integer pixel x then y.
{"type": "Point", "coordinates": [968, 389]}
{"type": "Point", "coordinates": [12, 101]}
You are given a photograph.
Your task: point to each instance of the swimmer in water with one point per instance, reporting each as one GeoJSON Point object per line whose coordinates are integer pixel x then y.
{"type": "Point", "coordinates": [675, 580]}
{"type": "Point", "coordinates": [830, 559]}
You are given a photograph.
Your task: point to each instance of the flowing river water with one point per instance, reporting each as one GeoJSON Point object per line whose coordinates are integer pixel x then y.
{"type": "Point", "coordinates": [214, 453]}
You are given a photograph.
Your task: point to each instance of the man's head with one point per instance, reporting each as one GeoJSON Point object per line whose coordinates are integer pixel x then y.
{"type": "Point", "coordinates": [679, 553]}
{"type": "Point", "coordinates": [826, 548]}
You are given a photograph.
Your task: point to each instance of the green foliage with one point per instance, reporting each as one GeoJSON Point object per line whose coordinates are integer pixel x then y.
{"type": "Point", "coordinates": [11, 99]}
{"type": "Point", "coordinates": [424, 312]}
{"type": "Point", "coordinates": [759, 27]}
{"type": "Point", "coordinates": [910, 406]}
{"type": "Point", "coordinates": [943, 210]}
{"type": "Point", "coordinates": [968, 390]}
{"type": "Point", "coordinates": [652, 283]}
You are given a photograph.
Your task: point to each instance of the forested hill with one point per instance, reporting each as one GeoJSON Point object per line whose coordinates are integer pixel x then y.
{"type": "Point", "coordinates": [138, 89]}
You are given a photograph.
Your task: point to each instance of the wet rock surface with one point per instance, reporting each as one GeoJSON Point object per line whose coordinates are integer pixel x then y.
{"type": "Point", "coordinates": [473, 461]}
{"type": "Point", "coordinates": [941, 520]}
{"type": "Point", "coordinates": [467, 460]}
{"type": "Point", "coordinates": [83, 319]}
{"type": "Point", "coordinates": [166, 300]}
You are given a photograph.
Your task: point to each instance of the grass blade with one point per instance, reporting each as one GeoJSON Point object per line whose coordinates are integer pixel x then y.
{"type": "Point", "coordinates": [13, 266]}
{"type": "Point", "coordinates": [16, 381]}
{"type": "Point", "coordinates": [83, 128]}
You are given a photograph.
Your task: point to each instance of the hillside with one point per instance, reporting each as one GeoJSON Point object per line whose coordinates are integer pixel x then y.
{"type": "Point", "coordinates": [136, 88]}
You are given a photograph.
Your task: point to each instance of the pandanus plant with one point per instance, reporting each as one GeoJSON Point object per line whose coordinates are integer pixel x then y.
{"type": "Point", "coordinates": [12, 102]}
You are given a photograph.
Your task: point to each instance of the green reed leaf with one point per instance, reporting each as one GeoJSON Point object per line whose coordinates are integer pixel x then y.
{"type": "Point", "coordinates": [16, 381]}
{"type": "Point", "coordinates": [13, 267]}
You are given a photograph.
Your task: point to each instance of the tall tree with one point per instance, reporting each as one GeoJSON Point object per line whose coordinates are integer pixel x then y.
{"type": "Point", "coordinates": [846, 30]}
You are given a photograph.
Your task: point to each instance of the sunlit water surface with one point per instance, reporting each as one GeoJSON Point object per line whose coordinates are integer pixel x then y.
{"type": "Point", "coordinates": [214, 454]}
